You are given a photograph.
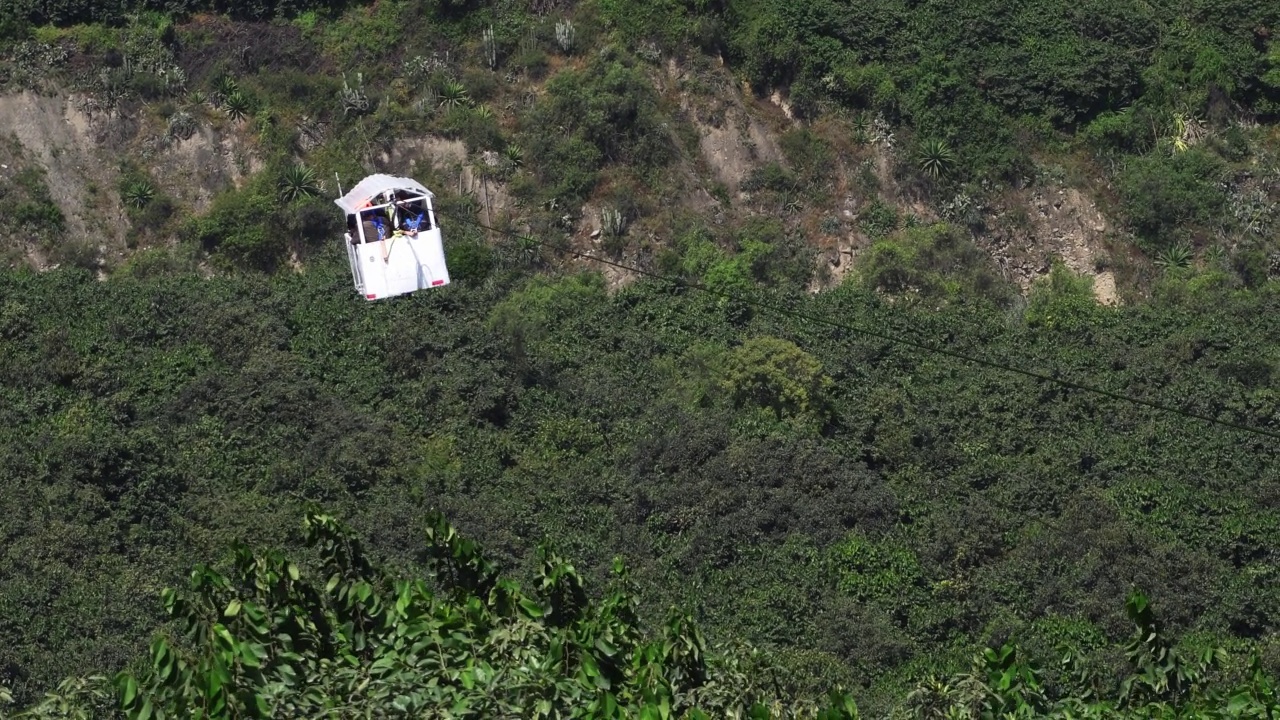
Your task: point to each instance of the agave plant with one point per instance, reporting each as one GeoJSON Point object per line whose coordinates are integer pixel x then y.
{"type": "Point", "coordinates": [298, 182]}
{"type": "Point", "coordinates": [936, 157]}
{"type": "Point", "coordinates": [1216, 257]}
{"type": "Point", "coordinates": [483, 112]}
{"type": "Point", "coordinates": [139, 193]}
{"type": "Point", "coordinates": [1175, 256]}
{"type": "Point", "coordinates": [226, 86]}
{"type": "Point", "coordinates": [238, 106]}
{"type": "Point", "coordinates": [861, 129]}
{"type": "Point", "coordinates": [453, 94]}
{"type": "Point", "coordinates": [514, 156]}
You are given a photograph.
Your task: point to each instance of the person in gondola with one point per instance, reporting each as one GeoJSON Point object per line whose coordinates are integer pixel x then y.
{"type": "Point", "coordinates": [375, 227]}
{"type": "Point", "coordinates": [408, 217]}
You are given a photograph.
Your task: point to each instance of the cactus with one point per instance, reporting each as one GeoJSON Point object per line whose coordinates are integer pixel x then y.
{"type": "Point", "coordinates": [490, 48]}
{"type": "Point", "coordinates": [565, 34]}
{"type": "Point", "coordinates": [354, 99]}
{"type": "Point", "coordinates": [613, 222]}
{"type": "Point", "coordinates": [181, 125]}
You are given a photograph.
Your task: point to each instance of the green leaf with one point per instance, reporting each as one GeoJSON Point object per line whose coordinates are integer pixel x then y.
{"type": "Point", "coordinates": [233, 609]}
{"type": "Point", "coordinates": [224, 634]}
{"type": "Point", "coordinates": [1238, 703]}
{"type": "Point", "coordinates": [531, 608]}
{"type": "Point", "coordinates": [130, 691]}
{"type": "Point", "coordinates": [249, 654]}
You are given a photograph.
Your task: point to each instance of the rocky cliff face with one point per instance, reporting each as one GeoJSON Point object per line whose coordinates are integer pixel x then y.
{"type": "Point", "coordinates": [80, 147]}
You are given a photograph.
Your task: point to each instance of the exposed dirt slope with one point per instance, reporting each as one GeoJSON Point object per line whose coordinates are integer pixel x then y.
{"type": "Point", "coordinates": [736, 135]}
{"type": "Point", "coordinates": [55, 134]}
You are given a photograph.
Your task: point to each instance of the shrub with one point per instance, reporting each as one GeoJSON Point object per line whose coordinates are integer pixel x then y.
{"type": "Point", "coordinates": [1253, 267]}
{"type": "Point", "coordinates": [729, 274]}
{"type": "Point", "coordinates": [1128, 130]}
{"type": "Point", "coordinates": [566, 168]}
{"type": "Point", "coordinates": [240, 226]}
{"type": "Point", "coordinates": [311, 221]}
{"type": "Point", "coordinates": [14, 26]}
{"type": "Point", "coordinates": [1063, 301]}
{"type": "Point", "coordinates": [468, 260]}
{"type": "Point", "coordinates": [527, 314]}
{"type": "Point", "coordinates": [773, 256]}
{"type": "Point", "coordinates": [878, 220]}
{"type": "Point", "coordinates": [530, 59]}
{"type": "Point", "coordinates": [607, 113]}
{"type": "Point", "coordinates": [807, 152]}
{"type": "Point", "coordinates": [30, 204]}
{"type": "Point", "coordinates": [475, 126]}
{"type": "Point", "coordinates": [868, 570]}
{"type": "Point", "coordinates": [937, 262]}
{"type": "Point", "coordinates": [775, 374]}
{"type": "Point", "coordinates": [40, 214]}
{"type": "Point", "coordinates": [1162, 193]}
{"type": "Point", "coordinates": [772, 177]}
{"type": "Point", "coordinates": [155, 216]}
{"type": "Point", "coordinates": [482, 85]}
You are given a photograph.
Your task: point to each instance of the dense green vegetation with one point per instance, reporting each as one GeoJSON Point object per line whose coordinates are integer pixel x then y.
{"type": "Point", "coordinates": [269, 643]}
{"type": "Point", "coordinates": [863, 514]}
{"type": "Point", "coordinates": [980, 74]}
{"type": "Point", "coordinates": [266, 641]}
{"type": "Point", "coordinates": [858, 506]}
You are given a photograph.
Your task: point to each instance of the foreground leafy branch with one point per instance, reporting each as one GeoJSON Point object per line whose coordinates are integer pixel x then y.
{"type": "Point", "coordinates": [1164, 683]}
{"type": "Point", "coordinates": [267, 641]}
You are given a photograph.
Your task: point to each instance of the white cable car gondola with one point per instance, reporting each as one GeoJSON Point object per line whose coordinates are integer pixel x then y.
{"type": "Point", "coordinates": [392, 239]}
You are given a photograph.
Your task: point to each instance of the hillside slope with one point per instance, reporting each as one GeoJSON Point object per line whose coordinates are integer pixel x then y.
{"type": "Point", "coordinates": [184, 363]}
{"type": "Point", "coordinates": [838, 179]}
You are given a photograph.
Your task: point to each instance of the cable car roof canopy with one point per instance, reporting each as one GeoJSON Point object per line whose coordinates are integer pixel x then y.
{"type": "Point", "coordinates": [366, 193]}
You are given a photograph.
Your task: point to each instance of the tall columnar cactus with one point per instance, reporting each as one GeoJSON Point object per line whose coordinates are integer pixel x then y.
{"type": "Point", "coordinates": [490, 48]}
{"type": "Point", "coordinates": [565, 34]}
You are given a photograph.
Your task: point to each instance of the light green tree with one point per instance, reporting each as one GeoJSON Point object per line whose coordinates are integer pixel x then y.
{"type": "Point", "coordinates": [772, 373]}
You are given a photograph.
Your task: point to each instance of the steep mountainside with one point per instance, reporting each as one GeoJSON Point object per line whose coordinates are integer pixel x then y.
{"type": "Point", "coordinates": [793, 399]}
